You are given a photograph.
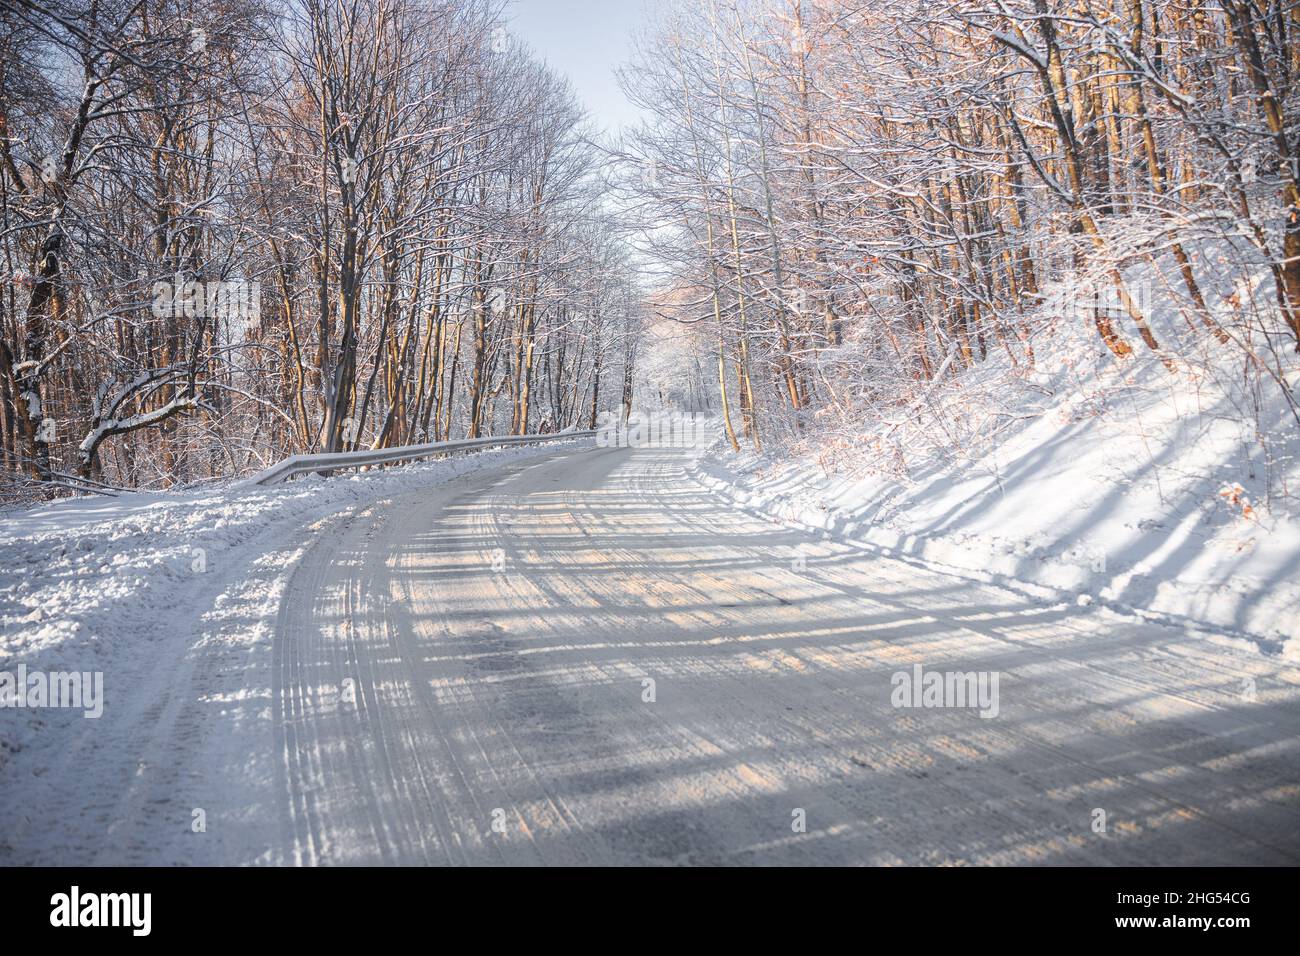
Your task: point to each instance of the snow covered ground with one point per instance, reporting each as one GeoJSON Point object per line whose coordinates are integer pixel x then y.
{"type": "Point", "coordinates": [144, 587]}
{"type": "Point", "coordinates": [1088, 522]}
{"type": "Point", "coordinates": [448, 662]}
{"type": "Point", "coordinates": [1174, 493]}
{"type": "Point", "coordinates": [585, 657]}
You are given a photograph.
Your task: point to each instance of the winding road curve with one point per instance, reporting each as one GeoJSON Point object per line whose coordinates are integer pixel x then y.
{"type": "Point", "coordinates": [460, 674]}
{"type": "Point", "coordinates": [460, 677]}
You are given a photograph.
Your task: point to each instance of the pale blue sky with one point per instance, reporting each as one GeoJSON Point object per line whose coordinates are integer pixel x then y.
{"type": "Point", "coordinates": [585, 40]}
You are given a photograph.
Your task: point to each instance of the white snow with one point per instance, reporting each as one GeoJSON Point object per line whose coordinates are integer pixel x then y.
{"type": "Point", "coordinates": [1170, 494]}
{"type": "Point", "coordinates": [98, 583]}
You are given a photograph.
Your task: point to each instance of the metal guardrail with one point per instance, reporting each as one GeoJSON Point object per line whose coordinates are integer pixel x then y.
{"type": "Point", "coordinates": [299, 464]}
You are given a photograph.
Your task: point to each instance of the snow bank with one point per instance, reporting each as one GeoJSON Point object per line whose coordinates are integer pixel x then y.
{"type": "Point", "coordinates": [1172, 493]}
{"type": "Point", "coordinates": [97, 584]}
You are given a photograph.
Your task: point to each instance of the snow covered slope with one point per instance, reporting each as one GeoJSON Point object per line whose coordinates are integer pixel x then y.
{"type": "Point", "coordinates": [1172, 491]}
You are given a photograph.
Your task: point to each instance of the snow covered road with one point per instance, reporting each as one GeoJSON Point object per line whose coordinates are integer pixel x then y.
{"type": "Point", "coordinates": [461, 674]}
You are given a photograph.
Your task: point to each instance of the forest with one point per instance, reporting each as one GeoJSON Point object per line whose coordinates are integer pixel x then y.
{"type": "Point", "coordinates": [857, 205]}
{"type": "Point", "coordinates": [240, 230]}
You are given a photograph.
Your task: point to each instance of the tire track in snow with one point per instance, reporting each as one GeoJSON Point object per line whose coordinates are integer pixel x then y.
{"type": "Point", "coordinates": [517, 689]}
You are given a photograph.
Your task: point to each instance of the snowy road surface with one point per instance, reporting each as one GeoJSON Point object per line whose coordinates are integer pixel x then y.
{"type": "Point", "coordinates": [458, 675]}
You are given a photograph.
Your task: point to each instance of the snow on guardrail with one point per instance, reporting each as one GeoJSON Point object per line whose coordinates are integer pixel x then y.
{"type": "Point", "coordinates": [299, 464]}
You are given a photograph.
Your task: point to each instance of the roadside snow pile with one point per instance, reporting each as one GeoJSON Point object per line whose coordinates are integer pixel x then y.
{"type": "Point", "coordinates": [87, 583]}
{"type": "Point", "coordinates": [1171, 492]}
